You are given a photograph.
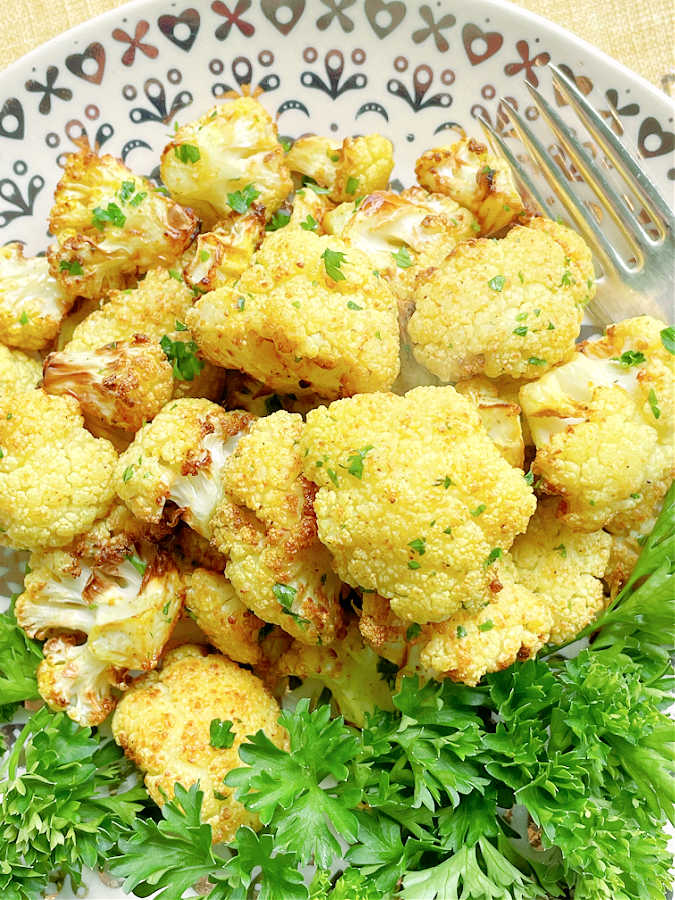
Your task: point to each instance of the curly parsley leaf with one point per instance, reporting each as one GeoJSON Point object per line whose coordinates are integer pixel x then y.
{"type": "Point", "coordinates": [19, 659]}
{"type": "Point", "coordinates": [285, 788]}
{"type": "Point", "coordinates": [221, 735]}
{"type": "Point", "coordinates": [279, 874]}
{"type": "Point", "coordinates": [332, 260]}
{"type": "Point", "coordinates": [240, 201]}
{"type": "Point", "coordinates": [668, 339]}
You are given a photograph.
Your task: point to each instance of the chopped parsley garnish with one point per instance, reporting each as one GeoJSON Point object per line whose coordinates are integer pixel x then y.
{"type": "Point", "coordinates": [535, 361]}
{"type": "Point", "coordinates": [521, 330]}
{"type": "Point", "coordinates": [240, 201]}
{"type": "Point", "coordinates": [413, 631]}
{"type": "Point", "coordinates": [497, 283]}
{"type": "Point", "coordinates": [355, 461]}
{"type": "Point", "coordinates": [358, 201]}
{"type": "Point", "coordinates": [478, 510]}
{"type": "Point", "coordinates": [221, 735]}
{"type": "Point", "coordinates": [654, 404]}
{"type": "Point", "coordinates": [310, 223]}
{"type": "Point", "coordinates": [23, 318]}
{"type": "Point", "coordinates": [461, 631]}
{"type": "Point", "coordinates": [402, 257]}
{"type": "Point", "coordinates": [279, 220]}
{"type": "Point", "coordinates": [111, 214]}
{"type": "Point", "coordinates": [241, 302]}
{"type": "Point", "coordinates": [446, 482]}
{"type": "Point", "coordinates": [521, 316]}
{"type": "Point", "coordinates": [387, 671]}
{"type": "Point", "coordinates": [286, 143]}
{"type": "Point", "coordinates": [352, 184]}
{"type": "Point", "coordinates": [127, 474]}
{"type": "Point", "coordinates": [332, 260]}
{"type": "Point", "coordinates": [529, 477]}
{"type": "Point", "coordinates": [71, 266]}
{"type": "Point", "coordinates": [273, 404]}
{"type": "Point", "coordinates": [475, 227]}
{"type": "Point", "coordinates": [418, 545]}
{"type": "Point", "coordinates": [204, 255]}
{"type": "Point", "coordinates": [187, 153]}
{"type": "Point", "coordinates": [310, 183]}
{"type": "Point", "coordinates": [177, 276]}
{"type": "Point", "coordinates": [630, 358]}
{"type": "Point", "coordinates": [493, 555]}
{"type": "Point", "coordinates": [521, 278]}
{"type": "Point", "coordinates": [487, 625]}
{"type": "Point", "coordinates": [183, 357]}
{"type": "Point", "coordinates": [126, 192]}
{"type": "Point", "coordinates": [352, 305]}
{"type": "Point", "coordinates": [332, 475]}
{"type": "Point", "coordinates": [138, 198]}
{"type": "Point", "coordinates": [566, 279]}
{"type": "Point", "coordinates": [137, 563]}
{"type": "Point", "coordinates": [180, 326]}
{"type": "Point", "coordinates": [668, 339]}
{"type": "Point", "coordinates": [285, 594]}
{"type": "Point", "coordinates": [447, 530]}
{"type": "Point", "coordinates": [562, 550]}
{"type": "Point", "coordinates": [413, 564]}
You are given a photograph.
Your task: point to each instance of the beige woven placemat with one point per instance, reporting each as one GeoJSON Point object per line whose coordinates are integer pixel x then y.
{"type": "Point", "coordinates": [640, 35]}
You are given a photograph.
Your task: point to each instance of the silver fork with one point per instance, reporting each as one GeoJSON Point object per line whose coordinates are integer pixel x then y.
{"type": "Point", "coordinates": [643, 285]}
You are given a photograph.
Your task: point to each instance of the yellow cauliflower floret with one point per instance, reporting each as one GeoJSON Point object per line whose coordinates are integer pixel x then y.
{"type": "Point", "coordinates": [509, 307]}
{"type": "Point", "coordinates": [357, 167]}
{"type": "Point", "coordinates": [122, 385]}
{"type": "Point", "coordinates": [348, 668]}
{"type": "Point", "coordinates": [563, 568]}
{"type": "Point", "coordinates": [603, 425]}
{"type": "Point", "coordinates": [18, 372]}
{"type": "Point", "coordinates": [232, 146]}
{"type": "Point", "coordinates": [32, 303]}
{"type": "Point", "coordinates": [266, 525]}
{"type": "Point", "coordinates": [474, 177]}
{"type": "Point", "coordinates": [310, 211]}
{"type": "Point", "coordinates": [122, 595]}
{"type": "Point", "coordinates": [402, 234]}
{"type": "Point", "coordinates": [55, 478]}
{"type": "Point", "coordinates": [413, 497]}
{"type": "Point", "coordinates": [220, 256]}
{"type": "Point", "coordinates": [499, 415]}
{"type": "Point", "coordinates": [308, 315]}
{"type": "Point", "coordinates": [180, 456]}
{"type": "Point", "coordinates": [112, 226]}
{"type": "Point", "coordinates": [229, 625]}
{"type": "Point", "coordinates": [163, 723]}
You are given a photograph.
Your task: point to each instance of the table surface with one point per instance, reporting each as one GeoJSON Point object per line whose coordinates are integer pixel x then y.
{"type": "Point", "coordinates": [640, 35]}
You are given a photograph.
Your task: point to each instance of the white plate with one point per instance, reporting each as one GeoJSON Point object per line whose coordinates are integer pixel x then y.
{"type": "Point", "coordinates": [417, 74]}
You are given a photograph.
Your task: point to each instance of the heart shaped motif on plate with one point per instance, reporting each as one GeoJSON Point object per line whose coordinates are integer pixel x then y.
{"type": "Point", "coordinates": [491, 39]}
{"type": "Point", "coordinates": [12, 109]}
{"type": "Point", "coordinates": [283, 14]}
{"type": "Point", "coordinates": [76, 63]}
{"type": "Point", "coordinates": [384, 17]}
{"type": "Point", "coordinates": [181, 30]}
{"type": "Point", "coordinates": [651, 127]}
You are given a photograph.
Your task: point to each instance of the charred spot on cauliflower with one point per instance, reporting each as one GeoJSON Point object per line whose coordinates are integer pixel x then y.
{"type": "Point", "coordinates": [32, 302]}
{"type": "Point", "coordinates": [167, 734]}
{"type": "Point", "coordinates": [508, 307]}
{"type": "Point", "coordinates": [357, 167]}
{"type": "Point", "coordinates": [55, 477]}
{"type": "Point", "coordinates": [123, 384]}
{"type": "Point", "coordinates": [468, 173]}
{"type": "Point", "coordinates": [111, 226]}
{"type": "Point", "coordinates": [309, 315]}
{"type": "Point", "coordinates": [229, 154]}
{"type": "Point", "coordinates": [603, 439]}
{"type": "Point", "coordinates": [403, 505]}
{"type": "Point", "coordinates": [229, 625]}
{"type": "Point", "coordinates": [180, 456]}
{"type": "Point", "coordinates": [18, 371]}
{"type": "Point", "coordinates": [266, 526]}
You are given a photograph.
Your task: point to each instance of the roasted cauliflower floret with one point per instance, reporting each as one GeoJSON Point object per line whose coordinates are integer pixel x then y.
{"type": "Point", "coordinates": [220, 256]}
{"type": "Point", "coordinates": [499, 415]}
{"type": "Point", "coordinates": [18, 371]}
{"type": "Point", "coordinates": [413, 498]}
{"type": "Point", "coordinates": [71, 679]}
{"type": "Point", "coordinates": [309, 315]}
{"type": "Point", "coordinates": [55, 478]}
{"type": "Point", "coordinates": [180, 456]}
{"type": "Point", "coordinates": [230, 626]}
{"type": "Point", "coordinates": [350, 670]}
{"type": "Point", "coordinates": [401, 234]}
{"type": "Point", "coordinates": [230, 150]}
{"type": "Point", "coordinates": [474, 177]}
{"type": "Point", "coordinates": [357, 167]}
{"type": "Point", "coordinates": [32, 302]}
{"type": "Point", "coordinates": [164, 722]}
{"type": "Point", "coordinates": [266, 525]}
{"type": "Point", "coordinates": [122, 384]}
{"type": "Point", "coordinates": [112, 226]}
{"type": "Point", "coordinates": [563, 569]}
{"type": "Point", "coordinates": [603, 425]}
{"type": "Point", "coordinates": [509, 307]}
